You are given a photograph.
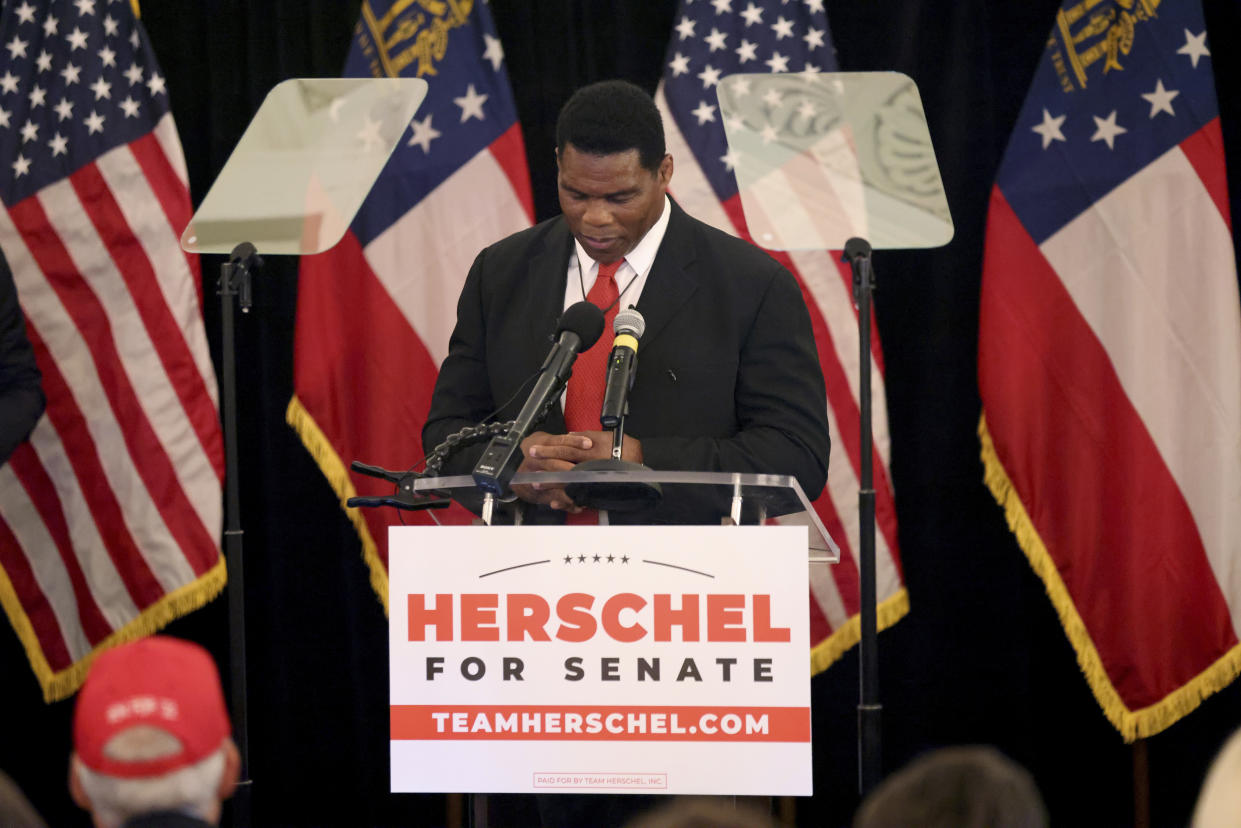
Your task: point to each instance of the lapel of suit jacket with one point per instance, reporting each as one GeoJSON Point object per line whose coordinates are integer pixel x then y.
{"type": "Point", "coordinates": [544, 304]}
{"type": "Point", "coordinates": [672, 279]}
{"type": "Point", "coordinates": [545, 287]}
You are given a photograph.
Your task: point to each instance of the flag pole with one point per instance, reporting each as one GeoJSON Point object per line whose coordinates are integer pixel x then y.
{"type": "Point", "coordinates": [235, 283]}
{"type": "Point", "coordinates": [857, 253]}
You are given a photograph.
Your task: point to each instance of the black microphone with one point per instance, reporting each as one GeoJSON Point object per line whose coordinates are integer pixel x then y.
{"type": "Point", "coordinates": [622, 366]}
{"type": "Point", "coordinates": [578, 329]}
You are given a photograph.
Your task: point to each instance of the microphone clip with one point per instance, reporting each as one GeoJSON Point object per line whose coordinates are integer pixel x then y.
{"type": "Point", "coordinates": [403, 498]}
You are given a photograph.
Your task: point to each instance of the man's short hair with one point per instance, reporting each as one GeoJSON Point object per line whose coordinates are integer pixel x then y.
{"type": "Point", "coordinates": [192, 790]}
{"type": "Point", "coordinates": [699, 812]}
{"type": "Point", "coordinates": [958, 787]}
{"type": "Point", "coordinates": [612, 116]}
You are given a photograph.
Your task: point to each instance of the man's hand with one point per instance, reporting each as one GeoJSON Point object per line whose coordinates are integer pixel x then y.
{"type": "Point", "coordinates": [599, 448]}
{"type": "Point", "coordinates": [561, 452]}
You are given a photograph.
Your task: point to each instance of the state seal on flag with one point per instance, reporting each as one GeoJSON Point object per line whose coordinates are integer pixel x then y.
{"type": "Point", "coordinates": [411, 34]}
{"type": "Point", "coordinates": [1085, 34]}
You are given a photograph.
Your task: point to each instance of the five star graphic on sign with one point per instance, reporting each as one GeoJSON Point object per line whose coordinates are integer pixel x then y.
{"type": "Point", "coordinates": [569, 559]}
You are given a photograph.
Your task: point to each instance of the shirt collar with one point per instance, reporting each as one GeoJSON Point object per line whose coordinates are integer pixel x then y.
{"type": "Point", "coordinates": [643, 253]}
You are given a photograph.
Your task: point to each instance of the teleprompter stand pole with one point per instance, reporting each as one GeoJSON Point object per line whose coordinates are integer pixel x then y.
{"type": "Point", "coordinates": [235, 282]}
{"type": "Point", "coordinates": [869, 711]}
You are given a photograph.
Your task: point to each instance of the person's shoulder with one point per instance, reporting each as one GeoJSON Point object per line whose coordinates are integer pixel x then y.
{"type": "Point", "coordinates": [715, 243]}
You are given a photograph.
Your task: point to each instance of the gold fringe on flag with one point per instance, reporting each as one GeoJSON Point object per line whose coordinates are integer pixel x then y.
{"type": "Point", "coordinates": [1132, 724]}
{"type": "Point", "coordinates": [828, 651]}
{"type": "Point", "coordinates": [62, 684]}
{"type": "Point", "coordinates": [329, 462]}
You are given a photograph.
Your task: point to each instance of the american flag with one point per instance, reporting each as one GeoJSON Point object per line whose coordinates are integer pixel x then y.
{"type": "Point", "coordinates": [110, 515]}
{"type": "Point", "coordinates": [711, 40]}
{"type": "Point", "coordinates": [1110, 356]}
{"type": "Point", "coordinates": [368, 347]}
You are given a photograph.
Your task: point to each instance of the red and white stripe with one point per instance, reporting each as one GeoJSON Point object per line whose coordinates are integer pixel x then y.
{"type": "Point", "coordinates": [453, 228]}
{"type": "Point", "coordinates": [1110, 369]}
{"type": "Point", "coordinates": [828, 291]}
{"type": "Point", "coordinates": [368, 348]}
{"type": "Point", "coordinates": [115, 502]}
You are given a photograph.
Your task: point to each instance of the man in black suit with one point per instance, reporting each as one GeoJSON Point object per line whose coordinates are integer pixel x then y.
{"type": "Point", "coordinates": [21, 397]}
{"type": "Point", "coordinates": [729, 377]}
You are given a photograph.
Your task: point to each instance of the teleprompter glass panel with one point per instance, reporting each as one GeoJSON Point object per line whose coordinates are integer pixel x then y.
{"type": "Point", "coordinates": [822, 158]}
{"type": "Point", "coordinates": [304, 165]}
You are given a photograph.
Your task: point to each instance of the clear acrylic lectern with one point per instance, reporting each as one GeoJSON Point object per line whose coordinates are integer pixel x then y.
{"type": "Point", "coordinates": [743, 498]}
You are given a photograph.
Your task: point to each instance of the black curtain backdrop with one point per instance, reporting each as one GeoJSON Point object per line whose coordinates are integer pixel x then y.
{"type": "Point", "coordinates": [981, 657]}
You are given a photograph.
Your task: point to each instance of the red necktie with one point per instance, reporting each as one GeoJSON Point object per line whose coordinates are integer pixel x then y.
{"type": "Point", "coordinates": [584, 396]}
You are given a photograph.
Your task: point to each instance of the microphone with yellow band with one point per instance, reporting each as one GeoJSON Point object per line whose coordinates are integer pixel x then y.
{"type": "Point", "coordinates": [622, 366]}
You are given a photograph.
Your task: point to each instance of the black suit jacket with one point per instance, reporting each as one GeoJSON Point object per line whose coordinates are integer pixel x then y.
{"type": "Point", "coordinates": [728, 374]}
{"type": "Point", "coordinates": [21, 397]}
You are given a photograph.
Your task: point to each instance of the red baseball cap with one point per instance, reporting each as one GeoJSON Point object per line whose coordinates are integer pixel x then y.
{"type": "Point", "coordinates": [159, 682]}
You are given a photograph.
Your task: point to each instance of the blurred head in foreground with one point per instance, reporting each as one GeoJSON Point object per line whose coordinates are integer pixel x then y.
{"type": "Point", "coordinates": [701, 813]}
{"type": "Point", "coordinates": [957, 787]}
{"type": "Point", "coordinates": [1219, 802]}
{"type": "Point", "coordinates": [15, 810]}
{"type": "Point", "coordinates": [151, 736]}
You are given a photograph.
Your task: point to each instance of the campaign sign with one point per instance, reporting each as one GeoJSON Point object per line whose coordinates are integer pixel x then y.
{"type": "Point", "coordinates": [622, 659]}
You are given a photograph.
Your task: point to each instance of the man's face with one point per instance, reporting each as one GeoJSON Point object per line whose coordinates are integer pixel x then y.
{"type": "Point", "coordinates": [610, 201]}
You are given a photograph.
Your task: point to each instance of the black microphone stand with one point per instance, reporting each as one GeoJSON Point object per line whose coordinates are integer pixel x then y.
{"type": "Point", "coordinates": [857, 253]}
{"type": "Point", "coordinates": [619, 496]}
{"type": "Point", "coordinates": [235, 282]}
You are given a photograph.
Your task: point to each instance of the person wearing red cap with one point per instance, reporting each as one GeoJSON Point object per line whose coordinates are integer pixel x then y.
{"type": "Point", "coordinates": [151, 737]}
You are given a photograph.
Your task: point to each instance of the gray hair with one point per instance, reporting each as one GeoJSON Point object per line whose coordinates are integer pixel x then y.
{"type": "Point", "coordinates": [192, 790]}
